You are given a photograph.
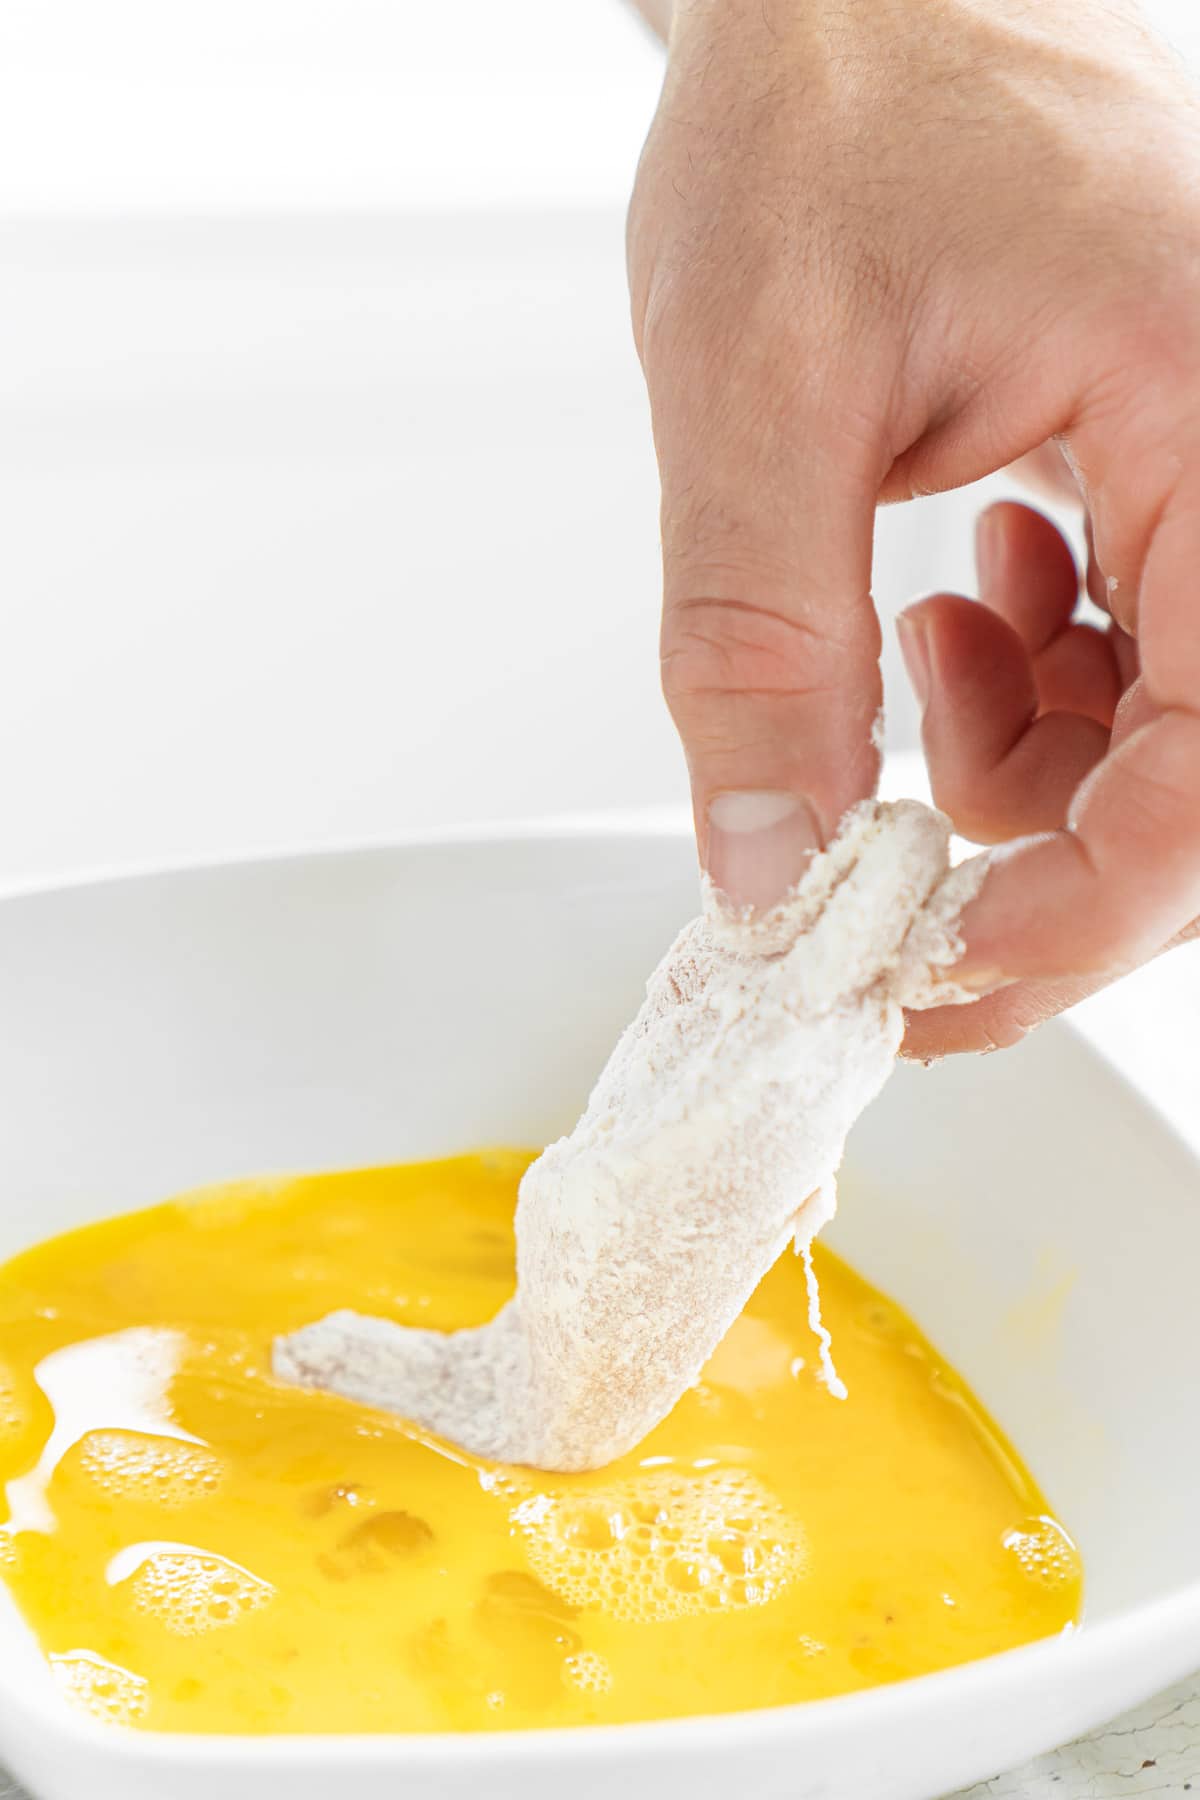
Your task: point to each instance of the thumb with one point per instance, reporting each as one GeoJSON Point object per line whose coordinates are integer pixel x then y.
{"type": "Point", "coordinates": [770, 663]}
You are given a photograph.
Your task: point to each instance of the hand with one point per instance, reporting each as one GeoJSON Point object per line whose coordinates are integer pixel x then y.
{"type": "Point", "coordinates": [880, 248]}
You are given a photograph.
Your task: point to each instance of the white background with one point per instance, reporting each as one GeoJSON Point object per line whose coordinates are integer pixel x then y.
{"type": "Point", "coordinates": [327, 503]}
{"type": "Point", "coordinates": [312, 104]}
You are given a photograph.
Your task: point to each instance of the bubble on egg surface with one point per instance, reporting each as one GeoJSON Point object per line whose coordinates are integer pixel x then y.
{"type": "Point", "coordinates": [133, 1465]}
{"type": "Point", "coordinates": [191, 1593]}
{"type": "Point", "coordinates": [333, 1497]}
{"type": "Point", "coordinates": [12, 1413]}
{"type": "Point", "coordinates": [1044, 1552]}
{"type": "Point", "coordinates": [18, 1406]}
{"type": "Point", "coordinates": [101, 1689]}
{"type": "Point", "coordinates": [588, 1673]}
{"type": "Point", "coordinates": [663, 1544]}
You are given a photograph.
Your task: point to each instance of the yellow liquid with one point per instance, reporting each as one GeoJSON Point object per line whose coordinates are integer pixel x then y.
{"type": "Point", "coordinates": [200, 1548]}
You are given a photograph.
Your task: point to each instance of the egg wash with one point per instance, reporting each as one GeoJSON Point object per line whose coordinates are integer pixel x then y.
{"type": "Point", "coordinates": [201, 1548]}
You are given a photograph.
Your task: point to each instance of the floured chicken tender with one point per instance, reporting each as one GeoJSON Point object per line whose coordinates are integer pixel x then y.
{"type": "Point", "coordinates": [710, 1142]}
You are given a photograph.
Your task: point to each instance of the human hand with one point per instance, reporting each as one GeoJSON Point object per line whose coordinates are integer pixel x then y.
{"type": "Point", "coordinates": [880, 248]}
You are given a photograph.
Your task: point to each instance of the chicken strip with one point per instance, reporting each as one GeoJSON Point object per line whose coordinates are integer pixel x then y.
{"type": "Point", "coordinates": [710, 1142]}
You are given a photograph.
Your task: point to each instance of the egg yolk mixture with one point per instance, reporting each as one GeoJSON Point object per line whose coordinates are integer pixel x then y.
{"type": "Point", "coordinates": [200, 1548]}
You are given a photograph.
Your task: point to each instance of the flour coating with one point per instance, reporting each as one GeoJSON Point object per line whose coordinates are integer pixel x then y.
{"type": "Point", "coordinates": [711, 1140]}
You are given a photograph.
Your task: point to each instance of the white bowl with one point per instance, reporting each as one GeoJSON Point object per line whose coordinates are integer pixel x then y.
{"type": "Point", "coordinates": [325, 1011]}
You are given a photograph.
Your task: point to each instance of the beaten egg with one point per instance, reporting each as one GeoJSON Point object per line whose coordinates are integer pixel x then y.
{"type": "Point", "coordinates": [201, 1548]}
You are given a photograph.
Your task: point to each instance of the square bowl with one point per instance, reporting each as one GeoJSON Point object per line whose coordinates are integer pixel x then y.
{"type": "Point", "coordinates": [169, 1030]}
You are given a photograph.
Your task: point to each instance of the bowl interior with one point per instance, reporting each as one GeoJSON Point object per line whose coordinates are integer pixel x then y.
{"type": "Point", "coordinates": [168, 1031]}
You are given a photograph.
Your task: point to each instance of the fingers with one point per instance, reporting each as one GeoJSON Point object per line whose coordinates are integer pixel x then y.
{"type": "Point", "coordinates": [770, 670]}
{"type": "Point", "coordinates": [997, 766]}
{"type": "Point", "coordinates": [1123, 877]}
{"type": "Point", "coordinates": [1119, 876]}
{"type": "Point", "coordinates": [1078, 672]}
{"type": "Point", "coordinates": [1120, 880]}
{"type": "Point", "coordinates": [998, 1022]}
{"type": "Point", "coordinates": [1001, 1020]}
{"type": "Point", "coordinates": [1017, 700]}
{"type": "Point", "coordinates": [771, 370]}
{"type": "Point", "coordinates": [1027, 575]}
{"type": "Point", "coordinates": [1026, 572]}
{"type": "Point", "coordinates": [770, 642]}
{"type": "Point", "coordinates": [1125, 655]}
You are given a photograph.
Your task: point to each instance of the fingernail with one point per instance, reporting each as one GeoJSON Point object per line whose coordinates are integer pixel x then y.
{"type": "Point", "coordinates": [989, 551]}
{"type": "Point", "coordinates": [914, 648]}
{"type": "Point", "coordinates": [760, 844]}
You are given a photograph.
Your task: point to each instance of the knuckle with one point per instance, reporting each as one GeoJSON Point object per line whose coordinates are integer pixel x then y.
{"type": "Point", "coordinates": [783, 645]}
{"type": "Point", "coordinates": [714, 647]}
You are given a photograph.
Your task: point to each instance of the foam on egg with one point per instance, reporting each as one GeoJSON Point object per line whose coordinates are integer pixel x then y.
{"type": "Point", "coordinates": [587, 1672]}
{"type": "Point", "coordinates": [15, 1412]}
{"type": "Point", "coordinates": [662, 1544]}
{"type": "Point", "coordinates": [200, 1551]}
{"type": "Point", "coordinates": [101, 1689]}
{"type": "Point", "coordinates": [131, 1465]}
{"type": "Point", "coordinates": [1044, 1551]}
{"type": "Point", "coordinates": [189, 1591]}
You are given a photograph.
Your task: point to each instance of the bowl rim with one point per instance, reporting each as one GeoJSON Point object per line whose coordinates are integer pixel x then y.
{"type": "Point", "coordinates": [600, 826]}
